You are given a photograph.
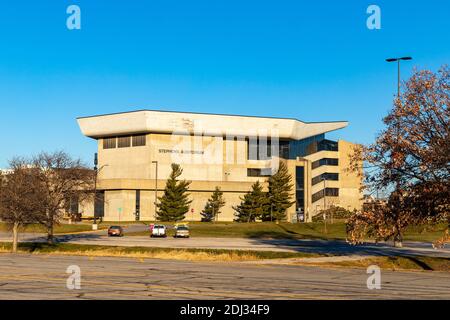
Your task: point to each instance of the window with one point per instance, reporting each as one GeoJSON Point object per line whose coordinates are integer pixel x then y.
{"type": "Point", "coordinates": [325, 176]}
{"type": "Point", "coordinates": [138, 205]}
{"type": "Point", "coordinates": [74, 205]}
{"type": "Point", "coordinates": [329, 192]}
{"type": "Point", "coordinates": [300, 187]}
{"type": "Point", "coordinates": [124, 142]}
{"type": "Point", "coordinates": [254, 172]}
{"type": "Point", "coordinates": [327, 145]}
{"type": "Point", "coordinates": [99, 207]}
{"type": "Point", "coordinates": [139, 141]}
{"type": "Point", "coordinates": [109, 143]}
{"type": "Point", "coordinates": [325, 162]}
{"type": "Point", "coordinates": [304, 147]}
{"type": "Point", "coordinates": [284, 149]}
{"type": "Point", "coordinates": [332, 192]}
{"type": "Point", "coordinates": [259, 149]}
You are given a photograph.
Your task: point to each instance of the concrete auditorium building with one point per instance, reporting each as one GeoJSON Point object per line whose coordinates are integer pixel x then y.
{"type": "Point", "coordinates": [136, 150]}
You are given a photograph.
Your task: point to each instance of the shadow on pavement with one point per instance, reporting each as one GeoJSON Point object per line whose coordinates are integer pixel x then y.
{"type": "Point", "coordinates": [81, 236]}
{"type": "Point", "coordinates": [63, 238]}
{"type": "Point", "coordinates": [333, 247]}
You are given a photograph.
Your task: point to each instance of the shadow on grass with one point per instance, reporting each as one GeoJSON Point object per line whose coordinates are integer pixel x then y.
{"type": "Point", "coordinates": [32, 247]}
{"type": "Point", "coordinates": [308, 236]}
{"type": "Point", "coordinates": [420, 263]}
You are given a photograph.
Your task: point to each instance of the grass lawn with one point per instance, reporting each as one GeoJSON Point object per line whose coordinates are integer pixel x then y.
{"type": "Point", "coordinates": [260, 230]}
{"type": "Point", "coordinates": [335, 231]}
{"type": "Point", "coordinates": [59, 229]}
{"type": "Point", "coordinates": [154, 253]}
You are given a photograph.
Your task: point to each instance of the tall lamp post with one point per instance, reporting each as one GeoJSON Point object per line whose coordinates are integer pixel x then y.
{"type": "Point", "coordinates": [398, 70]}
{"type": "Point", "coordinates": [156, 186]}
{"type": "Point", "coordinates": [398, 124]}
{"type": "Point", "coordinates": [325, 204]}
{"type": "Point", "coordinates": [95, 187]}
{"type": "Point", "coordinates": [97, 170]}
{"type": "Point", "coordinates": [398, 60]}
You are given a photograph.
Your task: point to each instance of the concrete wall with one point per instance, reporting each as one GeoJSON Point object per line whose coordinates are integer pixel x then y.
{"type": "Point", "coordinates": [124, 201]}
{"type": "Point", "coordinates": [207, 162]}
{"type": "Point", "coordinates": [350, 195]}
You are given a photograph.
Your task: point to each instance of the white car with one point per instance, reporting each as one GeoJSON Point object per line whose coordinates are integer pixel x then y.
{"type": "Point", "coordinates": [159, 230]}
{"type": "Point", "coordinates": [181, 231]}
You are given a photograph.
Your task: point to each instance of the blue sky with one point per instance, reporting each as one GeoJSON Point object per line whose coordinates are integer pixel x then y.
{"type": "Point", "coordinates": [315, 61]}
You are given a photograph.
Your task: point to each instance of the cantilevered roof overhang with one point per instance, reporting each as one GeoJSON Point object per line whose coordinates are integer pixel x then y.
{"type": "Point", "coordinates": [153, 121]}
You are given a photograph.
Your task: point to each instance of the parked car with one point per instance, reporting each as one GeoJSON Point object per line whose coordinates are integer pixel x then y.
{"type": "Point", "coordinates": [182, 231]}
{"type": "Point", "coordinates": [159, 230]}
{"type": "Point", "coordinates": [115, 231]}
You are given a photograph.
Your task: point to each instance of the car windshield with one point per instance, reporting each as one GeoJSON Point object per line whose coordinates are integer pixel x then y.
{"type": "Point", "coordinates": [114, 227]}
{"type": "Point", "coordinates": [182, 229]}
{"type": "Point", "coordinates": [158, 227]}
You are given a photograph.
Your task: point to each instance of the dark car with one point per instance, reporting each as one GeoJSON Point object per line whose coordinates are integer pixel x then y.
{"type": "Point", "coordinates": [115, 231]}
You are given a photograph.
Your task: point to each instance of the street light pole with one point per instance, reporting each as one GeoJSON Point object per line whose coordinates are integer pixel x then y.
{"type": "Point", "coordinates": [156, 187]}
{"type": "Point", "coordinates": [398, 78]}
{"type": "Point", "coordinates": [95, 186]}
{"type": "Point", "coordinates": [325, 204]}
{"type": "Point", "coordinates": [397, 178]}
{"type": "Point", "coordinates": [398, 86]}
{"type": "Point", "coordinates": [398, 70]}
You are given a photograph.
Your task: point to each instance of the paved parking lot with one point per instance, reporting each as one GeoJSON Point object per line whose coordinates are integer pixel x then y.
{"type": "Point", "coordinates": [44, 277]}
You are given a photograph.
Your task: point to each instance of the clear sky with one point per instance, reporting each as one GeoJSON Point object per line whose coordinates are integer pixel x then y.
{"type": "Point", "coordinates": [312, 60]}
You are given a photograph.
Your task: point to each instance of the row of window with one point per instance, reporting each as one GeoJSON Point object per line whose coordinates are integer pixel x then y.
{"type": "Point", "coordinates": [258, 150]}
{"type": "Point", "coordinates": [263, 149]}
{"type": "Point", "coordinates": [325, 162]}
{"type": "Point", "coordinates": [124, 142]}
{"type": "Point", "coordinates": [327, 145]}
{"type": "Point", "coordinates": [325, 176]}
{"type": "Point", "coordinates": [329, 192]}
{"type": "Point", "coordinates": [254, 172]}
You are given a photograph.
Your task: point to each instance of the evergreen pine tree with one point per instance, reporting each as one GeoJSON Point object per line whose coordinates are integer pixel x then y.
{"type": "Point", "coordinates": [279, 195]}
{"type": "Point", "coordinates": [213, 206]}
{"type": "Point", "coordinates": [174, 204]}
{"type": "Point", "coordinates": [253, 204]}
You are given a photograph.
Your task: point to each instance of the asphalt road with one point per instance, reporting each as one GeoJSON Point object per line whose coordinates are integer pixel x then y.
{"type": "Point", "coordinates": [44, 277]}
{"type": "Point", "coordinates": [286, 245]}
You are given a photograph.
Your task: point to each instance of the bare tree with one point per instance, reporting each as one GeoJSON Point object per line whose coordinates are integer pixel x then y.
{"type": "Point", "coordinates": [21, 198]}
{"type": "Point", "coordinates": [412, 157]}
{"type": "Point", "coordinates": [63, 178]}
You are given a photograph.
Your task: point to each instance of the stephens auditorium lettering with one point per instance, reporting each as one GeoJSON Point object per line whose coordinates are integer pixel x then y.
{"type": "Point", "coordinates": [181, 151]}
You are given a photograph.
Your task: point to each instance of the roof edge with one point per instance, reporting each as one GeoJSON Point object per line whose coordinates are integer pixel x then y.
{"type": "Point", "coordinates": [207, 113]}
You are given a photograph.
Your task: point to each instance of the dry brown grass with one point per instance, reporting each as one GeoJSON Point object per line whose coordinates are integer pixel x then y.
{"type": "Point", "coordinates": [143, 253]}
{"type": "Point", "coordinates": [171, 255]}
